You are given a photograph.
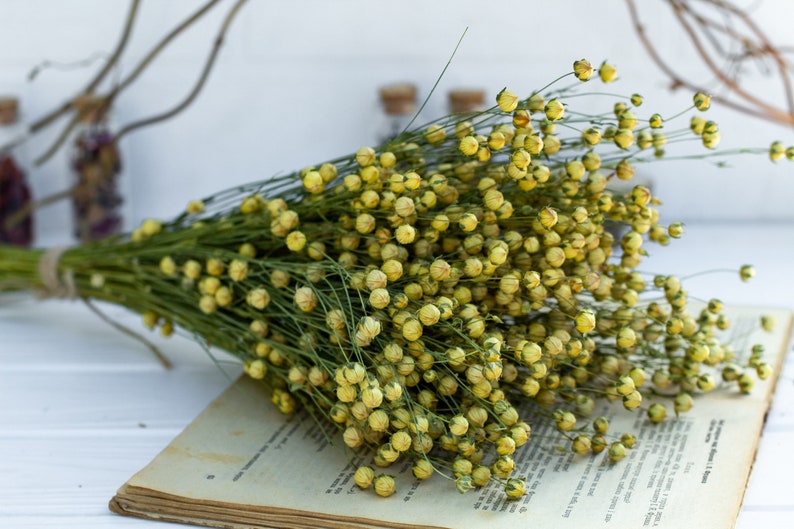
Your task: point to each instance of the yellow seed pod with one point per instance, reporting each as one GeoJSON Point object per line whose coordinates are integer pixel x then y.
{"type": "Point", "coordinates": [191, 269]}
{"type": "Point", "coordinates": [624, 138]}
{"type": "Point", "coordinates": [627, 120]}
{"type": "Point", "coordinates": [150, 319]}
{"type": "Point", "coordinates": [247, 250]}
{"type": "Point", "coordinates": [352, 182]}
{"type": "Point", "coordinates": [238, 270]}
{"type": "Point", "coordinates": [463, 128]}
{"type": "Point", "coordinates": [548, 217]}
{"type": "Point", "coordinates": [626, 338]}
{"type": "Point", "coordinates": [702, 101]}
{"type": "Point", "coordinates": [412, 330]}
{"type": "Point", "coordinates": [168, 266]}
{"type": "Point", "coordinates": [207, 304]}
{"type": "Point", "coordinates": [575, 170]}
{"type": "Point", "coordinates": [496, 141]}
{"type": "Point", "coordinates": [746, 272]}
{"type": "Point", "coordinates": [364, 476]}
{"type": "Point", "coordinates": [440, 270]}
{"type": "Point", "coordinates": [493, 199]}
{"type": "Point", "coordinates": [209, 285]}
{"type": "Point", "coordinates": [365, 223]}
{"type": "Point", "coordinates": [215, 267]}
{"type": "Point", "coordinates": [521, 158]}
{"type": "Point", "coordinates": [469, 145]}
{"type": "Point", "coordinates": [776, 151]}
{"type": "Point", "coordinates": [592, 136]}
{"type": "Point", "coordinates": [404, 207]}
{"type": "Point", "coordinates": [507, 100]}
{"type": "Point", "coordinates": [224, 297]}
{"type": "Point", "coordinates": [435, 134]}
{"type": "Point", "coordinates": [259, 298]}
{"type": "Point", "coordinates": [313, 182]}
{"type": "Point", "coordinates": [151, 227]}
{"type": "Point", "coordinates": [585, 321]}
{"type": "Point", "coordinates": [554, 110]}
{"type": "Point", "coordinates": [656, 121]}
{"type": "Point", "coordinates": [376, 279]}
{"type": "Point", "coordinates": [428, 199]}
{"type": "Point", "coordinates": [583, 70]}
{"type": "Point", "coordinates": [305, 299]}
{"type": "Point", "coordinates": [468, 222]}
{"type": "Point", "coordinates": [440, 222]}
{"type": "Point", "coordinates": [195, 207]}
{"type": "Point", "coordinates": [429, 314]}
{"type": "Point", "coordinates": [711, 139]}
{"type": "Point", "coordinates": [379, 298]}
{"type": "Point", "coordinates": [256, 369]}
{"type": "Point", "coordinates": [607, 72]}
{"type": "Point", "coordinates": [365, 156]}
{"type": "Point", "coordinates": [405, 234]}
{"type": "Point", "coordinates": [551, 146]}
{"type": "Point", "coordinates": [521, 118]}
{"type": "Point", "coordinates": [296, 241]}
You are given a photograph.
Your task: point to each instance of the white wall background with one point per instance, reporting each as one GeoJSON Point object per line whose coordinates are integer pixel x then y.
{"type": "Point", "coordinates": [296, 83]}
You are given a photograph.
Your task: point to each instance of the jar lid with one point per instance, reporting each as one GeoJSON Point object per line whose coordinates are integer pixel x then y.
{"type": "Point", "coordinates": [398, 98]}
{"type": "Point", "coordinates": [9, 110]}
{"type": "Point", "coordinates": [90, 108]}
{"type": "Point", "coordinates": [466, 100]}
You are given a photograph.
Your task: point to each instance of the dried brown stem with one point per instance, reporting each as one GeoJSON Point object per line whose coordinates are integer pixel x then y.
{"type": "Point", "coordinates": [145, 62]}
{"type": "Point", "coordinates": [159, 47]}
{"type": "Point", "coordinates": [747, 102]}
{"type": "Point", "coordinates": [196, 88]}
{"type": "Point", "coordinates": [98, 78]}
{"type": "Point", "coordinates": [28, 208]}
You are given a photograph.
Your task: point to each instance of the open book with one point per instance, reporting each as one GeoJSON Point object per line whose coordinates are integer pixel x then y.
{"type": "Point", "coordinates": [241, 464]}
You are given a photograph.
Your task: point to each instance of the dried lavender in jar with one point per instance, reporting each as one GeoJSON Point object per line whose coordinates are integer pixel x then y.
{"type": "Point", "coordinates": [96, 200]}
{"type": "Point", "coordinates": [16, 222]}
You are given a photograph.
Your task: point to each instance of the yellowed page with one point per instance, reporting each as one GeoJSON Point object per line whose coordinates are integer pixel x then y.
{"type": "Point", "coordinates": [242, 460]}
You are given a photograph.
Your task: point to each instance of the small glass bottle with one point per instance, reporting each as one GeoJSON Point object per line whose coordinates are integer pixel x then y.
{"type": "Point", "coordinates": [16, 223]}
{"type": "Point", "coordinates": [398, 104]}
{"type": "Point", "coordinates": [96, 200]}
{"type": "Point", "coordinates": [463, 100]}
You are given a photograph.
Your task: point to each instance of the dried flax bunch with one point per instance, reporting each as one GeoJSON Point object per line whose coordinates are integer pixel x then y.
{"type": "Point", "coordinates": [437, 295]}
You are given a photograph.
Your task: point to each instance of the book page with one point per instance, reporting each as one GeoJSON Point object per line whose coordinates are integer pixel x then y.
{"type": "Point", "coordinates": [243, 464]}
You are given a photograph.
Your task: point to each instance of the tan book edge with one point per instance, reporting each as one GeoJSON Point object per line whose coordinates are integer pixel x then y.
{"type": "Point", "coordinates": [241, 464]}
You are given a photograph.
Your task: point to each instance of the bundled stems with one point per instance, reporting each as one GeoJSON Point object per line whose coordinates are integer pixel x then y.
{"type": "Point", "coordinates": [440, 297]}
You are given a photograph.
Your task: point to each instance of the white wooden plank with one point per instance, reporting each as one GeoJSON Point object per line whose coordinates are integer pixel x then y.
{"type": "Point", "coordinates": [56, 334]}
{"type": "Point", "coordinates": [106, 401]}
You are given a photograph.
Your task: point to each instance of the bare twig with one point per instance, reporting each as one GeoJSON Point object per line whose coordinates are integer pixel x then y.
{"type": "Point", "coordinates": [199, 84]}
{"type": "Point", "coordinates": [145, 62]}
{"type": "Point", "coordinates": [98, 78]}
{"type": "Point", "coordinates": [738, 98]}
{"type": "Point", "coordinates": [159, 47]}
{"type": "Point", "coordinates": [24, 212]}
{"type": "Point", "coordinates": [166, 363]}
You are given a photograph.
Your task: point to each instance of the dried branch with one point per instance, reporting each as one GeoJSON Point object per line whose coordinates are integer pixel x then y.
{"type": "Point", "coordinates": [199, 84]}
{"type": "Point", "coordinates": [756, 45]}
{"type": "Point", "coordinates": [159, 47]}
{"type": "Point", "coordinates": [98, 78]}
{"type": "Point", "coordinates": [144, 63]}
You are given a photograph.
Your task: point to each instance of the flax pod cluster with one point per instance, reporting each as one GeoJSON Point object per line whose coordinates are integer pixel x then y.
{"type": "Point", "coordinates": [436, 297]}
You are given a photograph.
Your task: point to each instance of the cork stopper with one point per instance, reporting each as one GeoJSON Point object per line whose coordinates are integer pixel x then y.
{"type": "Point", "coordinates": [90, 109]}
{"type": "Point", "coordinates": [398, 99]}
{"type": "Point", "coordinates": [466, 100]}
{"type": "Point", "coordinates": [9, 110]}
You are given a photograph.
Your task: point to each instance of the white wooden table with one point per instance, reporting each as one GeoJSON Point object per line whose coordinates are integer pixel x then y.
{"type": "Point", "coordinates": [82, 407]}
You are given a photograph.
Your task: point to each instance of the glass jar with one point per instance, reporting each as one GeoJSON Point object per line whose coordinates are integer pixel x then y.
{"type": "Point", "coordinates": [464, 100]}
{"type": "Point", "coordinates": [16, 222]}
{"type": "Point", "coordinates": [95, 160]}
{"type": "Point", "coordinates": [398, 104]}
